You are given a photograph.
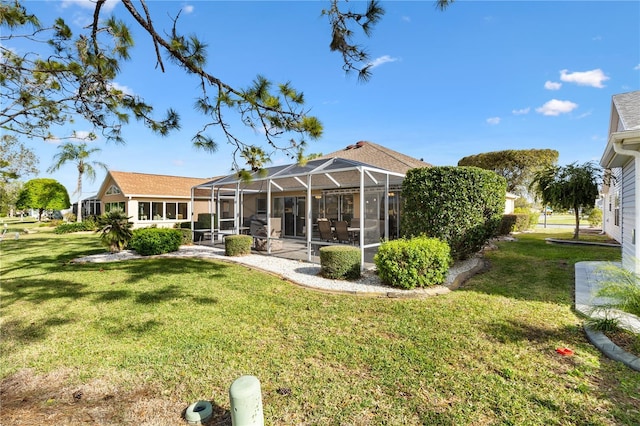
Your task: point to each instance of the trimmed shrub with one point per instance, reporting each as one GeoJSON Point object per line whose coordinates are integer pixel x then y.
{"type": "Point", "coordinates": [416, 262]}
{"type": "Point", "coordinates": [462, 206]}
{"type": "Point", "coordinates": [340, 262]}
{"type": "Point", "coordinates": [67, 228]}
{"type": "Point", "coordinates": [518, 222]}
{"type": "Point", "coordinates": [152, 241]}
{"type": "Point", "coordinates": [237, 245]}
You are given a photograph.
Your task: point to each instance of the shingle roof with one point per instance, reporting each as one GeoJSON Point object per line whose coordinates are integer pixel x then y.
{"type": "Point", "coordinates": [378, 156]}
{"type": "Point", "coordinates": [628, 107]}
{"type": "Point", "coordinates": [137, 184]}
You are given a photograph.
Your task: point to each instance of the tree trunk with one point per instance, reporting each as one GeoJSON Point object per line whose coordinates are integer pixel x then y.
{"type": "Point", "coordinates": [577, 231]}
{"type": "Point", "coordinates": [79, 216]}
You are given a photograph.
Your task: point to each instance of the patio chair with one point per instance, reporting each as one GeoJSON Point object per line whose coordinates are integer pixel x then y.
{"type": "Point", "coordinates": [324, 227]}
{"type": "Point", "coordinates": [342, 233]}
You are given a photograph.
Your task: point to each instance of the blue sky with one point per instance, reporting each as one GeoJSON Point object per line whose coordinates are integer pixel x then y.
{"type": "Point", "coordinates": [478, 77]}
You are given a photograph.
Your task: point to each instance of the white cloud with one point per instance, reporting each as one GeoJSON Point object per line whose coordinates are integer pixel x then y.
{"type": "Point", "coordinates": [90, 4]}
{"type": "Point", "coordinates": [555, 107]}
{"type": "Point", "coordinates": [406, 19]}
{"type": "Point", "coordinates": [493, 121]}
{"type": "Point", "coordinates": [522, 111]}
{"type": "Point", "coordinates": [593, 78]}
{"type": "Point", "coordinates": [552, 85]}
{"type": "Point", "coordinates": [382, 60]}
{"type": "Point", "coordinates": [637, 67]}
{"type": "Point", "coordinates": [187, 9]}
{"type": "Point", "coordinates": [124, 89]}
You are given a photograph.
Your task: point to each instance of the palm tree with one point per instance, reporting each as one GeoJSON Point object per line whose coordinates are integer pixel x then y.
{"type": "Point", "coordinates": [77, 154]}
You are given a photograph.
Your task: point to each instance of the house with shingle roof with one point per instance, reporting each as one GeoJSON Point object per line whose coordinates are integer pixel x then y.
{"type": "Point", "coordinates": [621, 159]}
{"type": "Point", "coordinates": [357, 187]}
{"type": "Point", "coordinates": [151, 199]}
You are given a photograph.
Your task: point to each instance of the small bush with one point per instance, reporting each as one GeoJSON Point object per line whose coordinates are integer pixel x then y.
{"type": "Point", "coordinates": [187, 236]}
{"type": "Point", "coordinates": [340, 262]}
{"type": "Point", "coordinates": [67, 228]}
{"type": "Point", "coordinates": [237, 245]}
{"type": "Point", "coordinates": [595, 217]}
{"type": "Point", "coordinates": [622, 287]}
{"type": "Point", "coordinates": [70, 217]}
{"type": "Point", "coordinates": [517, 222]}
{"type": "Point", "coordinates": [152, 241]}
{"type": "Point", "coordinates": [415, 262]}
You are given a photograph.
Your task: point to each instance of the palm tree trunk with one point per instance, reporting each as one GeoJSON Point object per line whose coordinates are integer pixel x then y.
{"type": "Point", "coordinates": [79, 216]}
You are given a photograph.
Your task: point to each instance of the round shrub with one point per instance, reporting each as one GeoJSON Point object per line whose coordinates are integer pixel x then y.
{"type": "Point", "coordinates": [152, 241]}
{"type": "Point", "coordinates": [340, 262]}
{"type": "Point", "coordinates": [237, 245]}
{"type": "Point", "coordinates": [411, 263]}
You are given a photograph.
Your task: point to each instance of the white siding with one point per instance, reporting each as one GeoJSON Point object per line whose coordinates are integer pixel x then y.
{"type": "Point", "coordinates": [629, 238]}
{"type": "Point", "coordinates": [611, 203]}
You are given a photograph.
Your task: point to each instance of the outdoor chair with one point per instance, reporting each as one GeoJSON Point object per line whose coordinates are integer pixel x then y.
{"type": "Point", "coordinates": [324, 227]}
{"type": "Point", "coordinates": [342, 232]}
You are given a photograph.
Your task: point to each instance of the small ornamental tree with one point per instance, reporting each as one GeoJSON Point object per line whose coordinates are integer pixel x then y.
{"type": "Point", "coordinates": [569, 187]}
{"type": "Point", "coordinates": [462, 206]}
{"type": "Point", "coordinates": [43, 194]}
{"type": "Point", "coordinates": [115, 230]}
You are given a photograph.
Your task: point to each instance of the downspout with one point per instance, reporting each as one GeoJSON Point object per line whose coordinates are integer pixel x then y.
{"type": "Point", "coordinates": [617, 147]}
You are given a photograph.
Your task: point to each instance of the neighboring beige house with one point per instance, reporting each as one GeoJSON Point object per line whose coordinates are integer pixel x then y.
{"type": "Point", "coordinates": [622, 160]}
{"type": "Point", "coordinates": [151, 199]}
{"type": "Point", "coordinates": [510, 203]}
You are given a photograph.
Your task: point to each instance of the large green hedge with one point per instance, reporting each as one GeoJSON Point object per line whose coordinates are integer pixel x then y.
{"type": "Point", "coordinates": [462, 206]}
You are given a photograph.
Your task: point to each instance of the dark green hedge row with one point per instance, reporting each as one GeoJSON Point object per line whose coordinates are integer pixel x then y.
{"type": "Point", "coordinates": [517, 222]}
{"type": "Point", "coordinates": [340, 262]}
{"type": "Point", "coordinates": [67, 228]}
{"type": "Point", "coordinates": [237, 245]}
{"type": "Point", "coordinates": [462, 206]}
{"type": "Point", "coordinates": [417, 262]}
{"type": "Point", "coordinates": [152, 241]}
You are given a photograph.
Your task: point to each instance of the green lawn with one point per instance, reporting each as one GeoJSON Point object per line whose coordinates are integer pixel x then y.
{"type": "Point", "coordinates": [144, 339]}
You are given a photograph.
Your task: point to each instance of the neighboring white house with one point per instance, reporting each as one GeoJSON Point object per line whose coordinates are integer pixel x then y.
{"type": "Point", "coordinates": [622, 158]}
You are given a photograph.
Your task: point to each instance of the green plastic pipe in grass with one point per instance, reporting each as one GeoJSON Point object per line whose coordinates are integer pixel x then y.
{"type": "Point", "coordinates": [246, 402]}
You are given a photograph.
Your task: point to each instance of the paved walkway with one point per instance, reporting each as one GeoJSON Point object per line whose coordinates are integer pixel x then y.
{"type": "Point", "coordinates": [588, 277]}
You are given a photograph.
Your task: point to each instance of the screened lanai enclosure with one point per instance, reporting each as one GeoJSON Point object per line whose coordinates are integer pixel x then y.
{"type": "Point", "coordinates": [322, 202]}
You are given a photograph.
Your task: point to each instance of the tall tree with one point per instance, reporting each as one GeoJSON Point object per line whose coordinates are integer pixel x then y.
{"type": "Point", "coordinates": [518, 167]}
{"type": "Point", "coordinates": [574, 186]}
{"type": "Point", "coordinates": [77, 79]}
{"type": "Point", "coordinates": [16, 160]}
{"type": "Point", "coordinates": [78, 155]}
{"type": "Point", "coordinates": [43, 194]}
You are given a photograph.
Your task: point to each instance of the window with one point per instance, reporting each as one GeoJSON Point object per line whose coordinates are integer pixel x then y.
{"type": "Point", "coordinates": [113, 190]}
{"type": "Point", "coordinates": [157, 209]}
{"type": "Point", "coordinates": [261, 206]}
{"type": "Point", "coordinates": [616, 214]}
{"type": "Point", "coordinates": [176, 211]}
{"type": "Point", "coordinates": [144, 211]}
{"type": "Point", "coordinates": [113, 206]}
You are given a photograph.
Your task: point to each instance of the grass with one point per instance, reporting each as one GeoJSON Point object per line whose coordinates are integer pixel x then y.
{"type": "Point", "coordinates": [139, 341]}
